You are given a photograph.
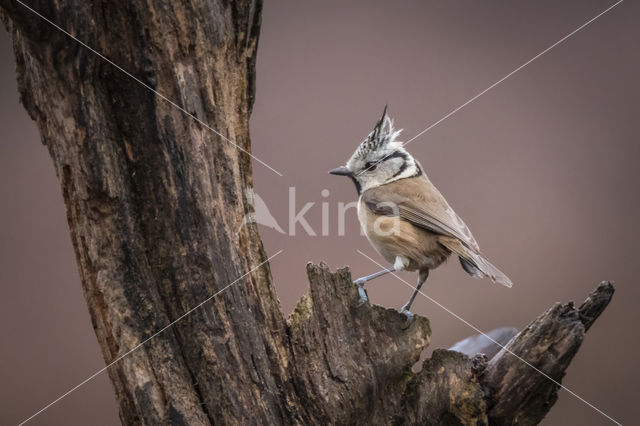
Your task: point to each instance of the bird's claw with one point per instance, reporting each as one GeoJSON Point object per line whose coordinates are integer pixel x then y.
{"type": "Point", "coordinates": [407, 313]}
{"type": "Point", "coordinates": [363, 296]}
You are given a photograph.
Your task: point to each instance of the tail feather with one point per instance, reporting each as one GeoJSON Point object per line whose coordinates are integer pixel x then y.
{"type": "Point", "coordinates": [474, 263]}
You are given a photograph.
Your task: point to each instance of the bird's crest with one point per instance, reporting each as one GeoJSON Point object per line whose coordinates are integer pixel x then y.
{"type": "Point", "coordinates": [383, 135]}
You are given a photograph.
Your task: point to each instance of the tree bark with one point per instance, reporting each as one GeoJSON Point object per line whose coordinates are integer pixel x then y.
{"type": "Point", "coordinates": [155, 203]}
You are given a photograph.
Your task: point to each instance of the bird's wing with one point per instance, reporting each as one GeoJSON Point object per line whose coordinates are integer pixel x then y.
{"type": "Point", "coordinates": [419, 202]}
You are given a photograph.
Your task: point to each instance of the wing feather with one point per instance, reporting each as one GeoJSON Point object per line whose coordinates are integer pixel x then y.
{"type": "Point", "coordinates": [419, 202]}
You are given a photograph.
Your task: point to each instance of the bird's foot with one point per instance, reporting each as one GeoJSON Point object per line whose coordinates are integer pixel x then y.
{"type": "Point", "coordinates": [363, 295]}
{"type": "Point", "coordinates": [407, 313]}
{"type": "Point", "coordinates": [410, 317]}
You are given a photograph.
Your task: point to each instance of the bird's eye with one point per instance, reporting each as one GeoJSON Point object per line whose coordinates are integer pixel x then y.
{"type": "Point", "coordinates": [370, 166]}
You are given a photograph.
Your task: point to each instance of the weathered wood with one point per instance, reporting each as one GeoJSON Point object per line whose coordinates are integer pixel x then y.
{"type": "Point", "coordinates": [353, 363]}
{"type": "Point", "coordinates": [154, 199]}
{"type": "Point", "coordinates": [356, 362]}
{"type": "Point", "coordinates": [445, 392]}
{"type": "Point", "coordinates": [154, 203]}
{"type": "Point", "coordinates": [522, 395]}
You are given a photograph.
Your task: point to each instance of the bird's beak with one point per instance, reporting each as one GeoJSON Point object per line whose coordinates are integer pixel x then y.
{"type": "Point", "coordinates": [341, 171]}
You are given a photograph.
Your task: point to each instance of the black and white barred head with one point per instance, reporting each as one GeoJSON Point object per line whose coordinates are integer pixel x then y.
{"type": "Point", "coordinates": [380, 158]}
{"type": "Point", "coordinates": [382, 137]}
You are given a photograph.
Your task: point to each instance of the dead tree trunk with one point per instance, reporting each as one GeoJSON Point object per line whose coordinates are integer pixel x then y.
{"type": "Point", "coordinates": [154, 201]}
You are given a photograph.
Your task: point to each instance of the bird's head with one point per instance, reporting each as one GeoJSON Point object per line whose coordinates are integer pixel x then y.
{"type": "Point", "coordinates": [379, 159]}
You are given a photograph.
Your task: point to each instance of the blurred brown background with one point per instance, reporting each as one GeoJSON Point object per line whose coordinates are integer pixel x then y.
{"type": "Point", "coordinates": [543, 168]}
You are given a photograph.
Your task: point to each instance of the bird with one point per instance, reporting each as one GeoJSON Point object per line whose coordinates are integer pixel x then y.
{"type": "Point", "coordinates": [404, 216]}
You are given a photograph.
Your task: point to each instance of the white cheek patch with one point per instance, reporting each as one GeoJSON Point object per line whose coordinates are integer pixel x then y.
{"type": "Point", "coordinates": [368, 182]}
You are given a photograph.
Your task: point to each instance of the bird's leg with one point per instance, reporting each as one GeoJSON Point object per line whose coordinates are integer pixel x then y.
{"type": "Point", "coordinates": [398, 265]}
{"type": "Point", "coordinates": [422, 277]}
{"type": "Point", "coordinates": [361, 281]}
